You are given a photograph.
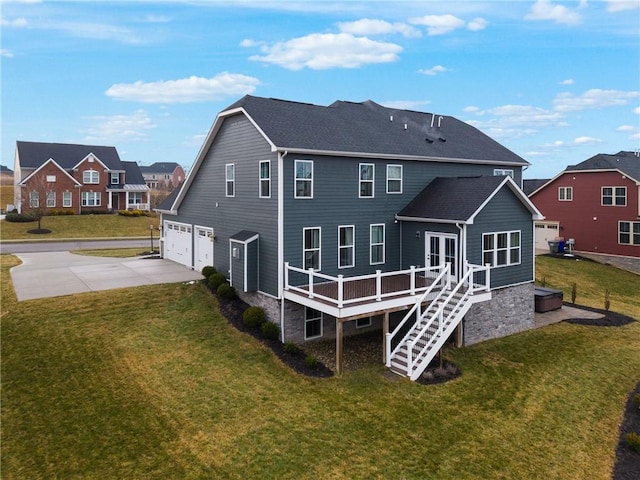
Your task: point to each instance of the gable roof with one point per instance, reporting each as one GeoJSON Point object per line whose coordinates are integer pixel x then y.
{"type": "Point", "coordinates": [35, 154]}
{"type": "Point", "coordinates": [626, 162]}
{"type": "Point", "coordinates": [5, 169]}
{"type": "Point", "coordinates": [133, 175]}
{"type": "Point", "coordinates": [159, 167]}
{"type": "Point", "coordinates": [52, 161]}
{"type": "Point", "coordinates": [460, 199]}
{"type": "Point", "coordinates": [531, 185]}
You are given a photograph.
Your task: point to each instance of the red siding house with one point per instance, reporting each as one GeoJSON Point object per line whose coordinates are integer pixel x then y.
{"type": "Point", "coordinates": [596, 203]}
{"type": "Point", "coordinates": [163, 175]}
{"type": "Point", "coordinates": [76, 178]}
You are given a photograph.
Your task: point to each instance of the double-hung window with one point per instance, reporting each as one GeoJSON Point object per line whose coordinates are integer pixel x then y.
{"type": "Point", "coordinates": [303, 179]}
{"type": "Point", "coordinates": [346, 246]}
{"type": "Point", "coordinates": [366, 180]}
{"type": "Point", "coordinates": [265, 179]}
{"type": "Point", "coordinates": [501, 248]}
{"type": "Point", "coordinates": [376, 244]}
{"type": "Point", "coordinates": [230, 177]}
{"type": "Point", "coordinates": [90, 177]}
{"type": "Point", "coordinates": [394, 178]}
{"type": "Point", "coordinates": [90, 199]}
{"type": "Point", "coordinates": [66, 199]}
{"type": "Point", "coordinates": [51, 199]}
{"type": "Point", "coordinates": [34, 199]}
{"type": "Point", "coordinates": [311, 253]}
{"type": "Point", "coordinates": [312, 323]}
{"type": "Point", "coordinates": [614, 196]}
{"type": "Point", "coordinates": [115, 178]}
{"type": "Point", "coordinates": [565, 194]}
{"type": "Point", "coordinates": [629, 233]}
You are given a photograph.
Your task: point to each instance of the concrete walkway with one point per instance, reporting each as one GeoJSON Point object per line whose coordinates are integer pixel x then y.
{"type": "Point", "coordinates": [52, 274]}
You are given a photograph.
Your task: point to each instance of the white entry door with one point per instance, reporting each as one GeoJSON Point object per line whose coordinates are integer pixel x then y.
{"type": "Point", "coordinates": [441, 248]}
{"type": "Point", "coordinates": [204, 247]}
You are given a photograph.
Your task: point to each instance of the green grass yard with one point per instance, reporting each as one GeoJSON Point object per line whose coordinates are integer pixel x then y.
{"type": "Point", "coordinates": [152, 382]}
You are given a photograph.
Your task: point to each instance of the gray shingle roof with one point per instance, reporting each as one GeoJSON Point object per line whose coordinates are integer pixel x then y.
{"type": "Point", "coordinates": [452, 199]}
{"type": "Point", "coordinates": [159, 167]}
{"type": "Point", "coordinates": [34, 154]}
{"type": "Point", "coordinates": [369, 128]}
{"type": "Point", "coordinates": [531, 185]}
{"type": "Point", "coordinates": [626, 162]}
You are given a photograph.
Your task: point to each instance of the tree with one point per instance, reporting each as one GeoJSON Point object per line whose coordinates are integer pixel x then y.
{"type": "Point", "coordinates": [40, 197]}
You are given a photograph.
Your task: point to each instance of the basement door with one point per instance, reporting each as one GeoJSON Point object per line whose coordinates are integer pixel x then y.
{"type": "Point", "coordinates": [441, 248]}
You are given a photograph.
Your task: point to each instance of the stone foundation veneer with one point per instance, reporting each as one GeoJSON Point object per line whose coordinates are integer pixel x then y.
{"type": "Point", "coordinates": [510, 310]}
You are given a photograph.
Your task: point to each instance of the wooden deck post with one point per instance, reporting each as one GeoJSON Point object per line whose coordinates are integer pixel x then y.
{"type": "Point", "coordinates": [339, 325]}
{"type": "Point", "coordinates": [385, 332]}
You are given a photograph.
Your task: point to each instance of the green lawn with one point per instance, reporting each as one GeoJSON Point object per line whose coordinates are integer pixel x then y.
{"type": "Point", "coordinates": [81, 226]}
{"type": "Point", "coordinates": [152, 382]}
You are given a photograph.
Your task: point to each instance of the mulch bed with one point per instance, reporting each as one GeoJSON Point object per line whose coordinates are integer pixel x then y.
{"type": "Point", "coordinates": [610, 319]}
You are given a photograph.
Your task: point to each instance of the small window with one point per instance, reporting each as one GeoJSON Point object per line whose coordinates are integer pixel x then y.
{"type": "Point", "coordinates": [51, 199]}
{"type": "Point", "coordinates": [501, 249]}
{"type": "Point", "coordinates": [346, 246]}
{"type": "Point", "coordinates": [231, 179]}
{"type": "Point", "coordinates": [565, 194]}
{"type": "Point", "coordinates": [115, 178]}
{"type": "Point", "coordinates": [363, 322]}
{"type": "Point", "coordinates": [311, 241]}
{"type": "Point", "coordinates": [376, 242]}
{"type": "Point", "coordinates": [34, 199]}
{"type": "Point", "coordinates": [312, 323]}
{"type": "Point", "coordinates": [629, 233]}
{"type": "Point", "coordinates": [394, 178]}
{"type": "Point", "coordinates": [614, 196]}
{"type": "Point", "coordinates": [367, 173]}
{"type": "Point", "coordinates": [265, 179]}
{"type": "Point", "coordinates": [66, 199]}
{"type": "Point", "coordinates": [90, 177]}
{"type": "Point", "coordinates": [303, 179]}
{"type": "Point", "coordinates": [503, 171]}
{"type": "Point", "coordinates": [51, 179]}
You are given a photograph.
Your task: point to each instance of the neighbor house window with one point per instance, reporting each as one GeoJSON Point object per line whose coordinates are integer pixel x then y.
{"type": "Point", "coordinates": [304, 179]}
{"type": "Point", "coordinates": [346, 246]}
{"type": "Point", "coordinates": [34, 199]}
{"type": "Point", "coordinates": [376, 242]}
{"type": "Point", "coordinates": [115, 178]}
{"type": "Point", "coordinates": [51, 178]}
{"type": "Point", "coordinates": [565, 194]}
{"type": "Point", "coordinates": [363, 322]}
{"type": "Point", "coordinates": [616, 196]}
{"type": "Point", "coordinates": [394, 178]}
{"type": "Point", "coordinates": [629, 233]}
{"type": "Point", "coordinates": [312, 323]}
{"type": "Point", "coordinates": [66, 199]}
{"type": "Point", "coordinates": [366, 180]}
{"type": "Point", "coordinates": [90, 199]}
{"type": "Point", "coordinates": [230, 175]}
{"type": "Point", "coordinates": [51, 199]}
{"type": "Point", "coordinates": [265, 179]}
{"type": "Point", "coordinates": [311, 248]}
{"type": "Point", "coordinates": [90, 176]}
{"type": "Point", "coordinates": [501, 248]}
{"type": "Point", "coordinates": [503, 171]}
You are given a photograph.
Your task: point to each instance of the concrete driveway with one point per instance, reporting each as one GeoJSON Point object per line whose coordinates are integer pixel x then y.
{"type": "Point", "coordinates": [52, 274]}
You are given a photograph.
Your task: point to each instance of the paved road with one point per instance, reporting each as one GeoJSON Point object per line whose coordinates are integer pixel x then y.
{"type": "Point", "coordinates": [67, 245]}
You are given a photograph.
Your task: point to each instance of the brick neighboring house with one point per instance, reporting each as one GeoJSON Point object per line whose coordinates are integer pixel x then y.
{"type": "Point", "coordinates": [78, 178]}
{"type": "Point", "coordinates": [596, 203]}
{"type": "Point", "coordinates": [163, 175]}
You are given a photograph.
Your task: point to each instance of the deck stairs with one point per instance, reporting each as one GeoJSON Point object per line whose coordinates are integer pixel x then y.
{"type": "Point", "coordinates": [435, 321]}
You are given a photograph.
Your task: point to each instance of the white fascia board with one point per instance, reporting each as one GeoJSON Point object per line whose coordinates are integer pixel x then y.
{"type": "Point", "coordinates": [51, 160]}
{"type": "Point", "coordinates": [535, 213]}
{"type": "Point", "coordinates": [91, 154]}
{"type": "Point", "coordinates": [402, 218]}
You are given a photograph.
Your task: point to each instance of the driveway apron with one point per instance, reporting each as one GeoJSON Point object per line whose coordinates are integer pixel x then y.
{"type": "Point", "coordinates": [52, 274]}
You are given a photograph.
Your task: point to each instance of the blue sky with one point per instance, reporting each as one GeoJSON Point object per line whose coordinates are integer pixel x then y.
{"type": "Point", "coordinates": [556, 82]}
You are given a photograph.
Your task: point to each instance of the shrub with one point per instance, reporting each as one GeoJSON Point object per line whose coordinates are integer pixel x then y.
{"type": "Point", "coordinates": [574, 292]}
{"type": "Point", "coordinates": [311, 362]}
{"type": "Point", "coordinates": [20, 217]}
{"type": "Point", "coordinates": [208, 271]}
{"type": "Point", "coordinates": [215, 280]}
{"type": "Point", "coordinates": [133, 213]}
{"type": "Point", "coordinates": [96, 212]}
{"type": "Point", "coordinates": [290, 347]}
{"type": "Point", "coordinates": [254, 316]}
{"type": "Point", "coordinates": [55, 213]}
{"type": "Point", "coordinates": [270, 330]}
{"type": "Point", "coordinates": [633, 440]}
{"type": "Point", "coordinates": [226, 291]}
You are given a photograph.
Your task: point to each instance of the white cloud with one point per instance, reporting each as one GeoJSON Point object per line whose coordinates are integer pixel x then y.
{"type": "Point", "coordinates": [586, 141]}
{"type": "Point", "coordinates": [320, 51]}
{"type": "Point", "coordinates": [477, 24]}
{"type": "Point", "coordinates": [636, 110]}
{"type": "Point", "coordinates": [622, 5]}
{"type": "Point", "coordinates": [473, 109]}
{"type": "Point", "coordinates": [248, 43]}
{"type": "Point", "coordinates": [367, 26]}
{"type": "Point", "coordinates": [439, 24]}
{"type": "Point", "coordinates": [118, 128]}
{"type": "Point", "coordinates": [545, 10]}
{"type": "Point", "coordinates": [406, 104]}
{"type": "Point", "coordinates": [513, 121]}
{"type": "Point", "coordinates": [594, 98]}
{"type": "Point", "coordinates": [15, 23]}
{"type": "Point", "coordinates": [433, 70]}
{"type": "Point", "coordinates": [185, 90]}
{"type": "Point", "coordinates": [524, 115]}
{"type": "Point", "coordinates": [568, 81]}
{"type": "Point", "coordinates": [626, 128]}
{"type": "Point", "coordinates": [6, 53]}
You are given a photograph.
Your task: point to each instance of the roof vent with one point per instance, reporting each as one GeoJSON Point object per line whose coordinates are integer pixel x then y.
{"type": "Point", "coordinates": [391, 118]}
{"type": "Point", "coordinates": [405, 126]}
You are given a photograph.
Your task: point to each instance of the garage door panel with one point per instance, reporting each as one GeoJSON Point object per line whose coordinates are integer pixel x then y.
{"type": "Point", "coordinates": [177, 243]}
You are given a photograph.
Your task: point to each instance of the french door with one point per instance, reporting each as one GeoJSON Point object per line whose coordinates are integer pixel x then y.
{"type": "Point", "coordinates": [441, 248]}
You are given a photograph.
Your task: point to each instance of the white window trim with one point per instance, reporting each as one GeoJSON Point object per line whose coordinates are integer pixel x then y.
{"type": "Point", "coordinates": [562, 194]}
{"type": "Point", "coordinates": [96, 196]}
{"type": "Point", "coordinates": [305, 250]}
{"type": "Point", "coordinates": [313, 319]}
{"type": "Point", "coordinates": [263, 180]}
{"type": "Point", "coordinates": [67, 199]}
{"type": "Point", "coordinates": [631, 224]}
{"type": "Point", "coordinates": [296, 179]}
{"type": "Point", "coordinates": [51, 179]}
{"type": "Point", "coordinates": [352, 247]}
{"type": "Point", "coordinates": [371, 244]}
{"type": "Point", "coordinates": [372, 181]}
{"type": "Point", "coordinates": [230, 181]}
{"type": "Point", "coordinates": [613, 196]}
{"type": "Point", "coordinates": [363, 325]}
{"type": "Point", "coordinates": [90, 173]}
{"type": "Point", "coordinates": [115, 175]}
{"type": "Point", "coordinates": [51, 199]}
{"type": "Point", "coordinates": [34, 199]}
{"type": "Point", "coordinates": [503, 171]}
{"type": "Point", "coordinates": [508, 248]}
{"type": "Point", "coordinates": [395, 179]}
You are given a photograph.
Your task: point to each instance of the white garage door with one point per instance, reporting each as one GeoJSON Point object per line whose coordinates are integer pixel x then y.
{"type": "Point", "coordinates": [204, 247]}
{"type": "Point", "coordinates": [177, 242]}
{"type": "Point", "coordinates": [545, 232]}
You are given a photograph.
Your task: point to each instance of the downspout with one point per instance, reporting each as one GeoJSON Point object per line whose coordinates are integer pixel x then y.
{"type": "Point", "coordinates": [281, 156]}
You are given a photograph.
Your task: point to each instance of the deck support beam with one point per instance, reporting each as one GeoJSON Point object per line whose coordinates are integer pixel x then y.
{"type": "Point", "coordinates": [339, 339]}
